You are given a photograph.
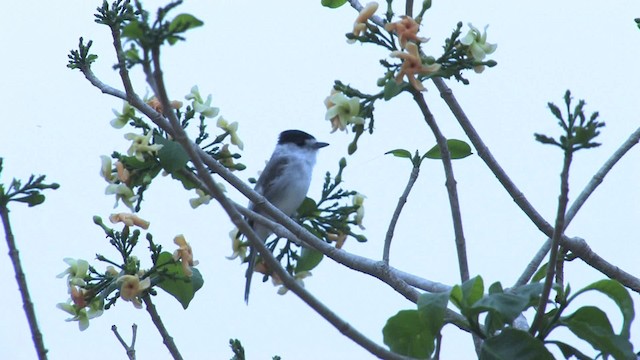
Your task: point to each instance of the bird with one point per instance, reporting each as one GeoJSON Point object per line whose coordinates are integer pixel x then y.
{"type": "Point", "coordinates": [284, 182]}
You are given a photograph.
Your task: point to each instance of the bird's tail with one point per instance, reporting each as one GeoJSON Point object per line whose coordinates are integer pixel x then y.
{"type": "Point", "coordinates": [249, 274]}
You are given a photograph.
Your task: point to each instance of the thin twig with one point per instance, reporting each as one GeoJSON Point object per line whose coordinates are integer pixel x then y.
{"type": "Point", "coordinates": [577, 246]}
{"type": "Point", "coordinates": [563, 200]}
{"type": "Point", "coordinates": [450, 183]}
{"type": "Point", "coordinates": [396, 214]}
{"type": "Point", "coordinates": [157, 321]}
{"type": "Point", "coordinates": [29, 310]}
{"type": "Point", "coordinates": [131, 350]}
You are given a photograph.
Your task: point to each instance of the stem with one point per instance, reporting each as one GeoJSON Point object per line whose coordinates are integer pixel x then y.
{"type": "Point", "coordinates": [14, 255]}
{"type": "Point", "coordinates": [157, 321]}
{"type": "Point", "coordinates": [563, 200]}
{"type": "Point", "coordinates": [409, 8]}
{"type": "Point", "coordinates": [396, 214]}
{"type": "Point", "coordinates": [450, 184]}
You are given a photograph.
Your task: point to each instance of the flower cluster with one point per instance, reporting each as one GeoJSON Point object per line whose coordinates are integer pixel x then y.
{"type": "Point", "coordinates": [89, 290]}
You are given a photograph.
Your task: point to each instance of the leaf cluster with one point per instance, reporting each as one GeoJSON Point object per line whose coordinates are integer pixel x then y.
{"type": "Point", "coordinates": [417, 332]}
{"type": "Point", "coordinates": [30, 193]}
{"type": "Point", "coordinates": [579, 131]}
{"type": "Point", "coordinates": [165, 273]}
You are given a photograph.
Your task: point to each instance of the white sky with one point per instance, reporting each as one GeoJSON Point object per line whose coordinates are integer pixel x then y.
{"type": "Point", "coordinates": [269, 66]}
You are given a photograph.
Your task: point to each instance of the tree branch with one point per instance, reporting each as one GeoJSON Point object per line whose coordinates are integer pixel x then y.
{"type": "Point", "coordinates": [396, 214]}
{"type": "Point", "coordinates": [450, 184]}
{"type": "Point", "coordinates": [27, 305]}
{"type": "Point", "coordinates": [157, 321]}
{"type": "Point", "coordinates": [563, 200]}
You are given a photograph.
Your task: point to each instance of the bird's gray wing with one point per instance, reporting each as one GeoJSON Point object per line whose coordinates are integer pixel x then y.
{"type": "Point", "coordinates": [266, 184]}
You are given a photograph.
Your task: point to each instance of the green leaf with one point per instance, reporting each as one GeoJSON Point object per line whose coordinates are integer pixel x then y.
{"type": "Point", "coordinates": [568, 351]}
{"type": "Point", "coordinates": [509, 306]}
{"type": "Point", "coordinates": [540, 274]}
{"type": "Point", "coordinates": [307, 208]}
{"type": "Point", "coordinates": [514, 344]}
{"type": "Point", "coordinates": [392, 88]}
{"type": "Point", "coordinates": [333, 4]}
{"type": "Point", "coordinates": [592, 325]}
{"type": "Point", "coordinates": [401, 153]}
{"type": "Point", "coordinates": [465, 295]}
{"type": "Point", "coordinates": [186, 182]}
{"type": "Point", "coordinates": [184, 22]}
{"type": "Point", "coordinates": [33, 199]}
{"type": "Point", "coordinates": [432, 308]}
{"type": "Point", "coordinates": [175, 282]}
{"type": "Point", "coordinates": [309, 259]}
{"type": "Point", "coordinates": [472, 290]}
{"type": "Point", "coordinates": [133, 31]}
{"type": "Point", "coordinates": [406, 334]}
{"type": "Point", "coordinates": [172, 156]}
{"type": "Point", "coordinates": [619, 295]}
{"type": "Point", "coordinates": [458, 149]}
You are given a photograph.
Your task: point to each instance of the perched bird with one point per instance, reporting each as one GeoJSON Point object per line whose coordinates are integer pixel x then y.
{"type": "Point", "coordinates": [284, 182]}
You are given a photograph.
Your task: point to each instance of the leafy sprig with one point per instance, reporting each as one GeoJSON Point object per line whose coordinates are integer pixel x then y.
{"type": "Point", "coordinates": [579, 131]}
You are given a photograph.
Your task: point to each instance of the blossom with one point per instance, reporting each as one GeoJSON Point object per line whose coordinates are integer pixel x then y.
{"type": "Point", "coordinates": [123, 173]}
{"type": "Point", "coordinates": [82, 314]}
{"type": "Point", "coordinates": [202, 199]}
{"type": "Point", "coordinates": [477, 44]}
{"type": "Point", "coordinates": [358, 200]}
{"type": "Point", "coordinates": [157, 105]}
{"type": "Point", "coordinates": [339, 239]}
{"type": "Point", "coordinates": [407, 30]}
{"type": "Point", "coordinates": [360, 25]}
{"type": "Point", "coordinates": [239, 248]}
{"type": "Point", "coordinates": [225, 157]}
{"type": "Point", "coordinates": [140, 145]}
{"type": "Point", "coordinates": [231, 129]}
{"type": "Point", "coordinates": [111, 272]}
{"type": "Point", "coordinates": [129, 220]}
{"type": "Point", "coordinates": [184, 254]}
{"type": "Point", "coordinates": [106, 169]}
{"type": "Point", "coordinates": [342, 110]}
{"type": "Point", "coordinates": [77, 271]}
{"type": "Point", "coordinates": [200, 106]}
{"type": "Point", "coordinates": [298, 277]}
{"type": "Point", "coordinates": [77, 296]}
{"type": "Point", "coordinates": [412, 66]}
{"type": "Point", "coordinates": [132, 287]}
{"type": "Point", "coordinates": [121, 119]}
{"type": "Point", "coordinates": [122, 192]}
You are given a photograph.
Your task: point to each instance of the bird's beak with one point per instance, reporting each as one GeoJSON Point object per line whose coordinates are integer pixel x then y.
{"type": "Point", "coordinates": [318, 144]}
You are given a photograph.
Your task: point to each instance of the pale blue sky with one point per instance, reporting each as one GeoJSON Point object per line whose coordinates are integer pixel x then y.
{"type": "Point", "coordinates": [269, 66]}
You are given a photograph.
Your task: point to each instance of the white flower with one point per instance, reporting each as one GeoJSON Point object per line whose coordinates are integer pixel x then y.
{"type": "Point", "coordinates": [140, 145]}
{"type": "Point", "coordinates": [479, 48]}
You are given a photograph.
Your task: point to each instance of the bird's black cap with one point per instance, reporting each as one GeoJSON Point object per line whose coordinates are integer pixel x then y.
{"type": "Point", "coordinates": [299, 138]}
